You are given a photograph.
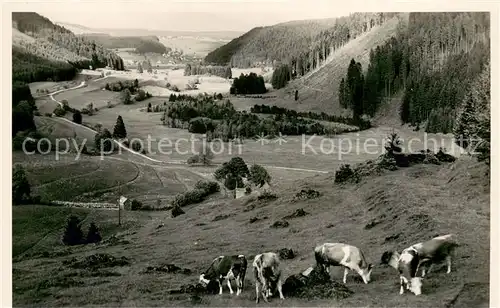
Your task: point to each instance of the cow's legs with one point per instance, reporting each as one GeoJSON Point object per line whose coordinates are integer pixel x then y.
{"type": "Point", "coordinates": [229, 286]}
{"type": "Point", "coordinates": [257, 292]}
{"type": "Point", "coordinates": [220, 286]}
{"type": "Point", "coordinates": [239, 284]}
{"type": "Point", "coordinates": [424, 272]}
{"type": "Point", "coordinates": [265, 291]}
{"type": "Point", "coordinates": [280, 291]}
{"type": "Point", "coordinates": [346, 270]}
{"type": "Point", "coordinates": [448, 261]}
{"type": "Point", "coordinates": [401, 289]}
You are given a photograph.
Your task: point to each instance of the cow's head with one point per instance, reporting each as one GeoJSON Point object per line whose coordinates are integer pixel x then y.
{"type": "Point", "coordinates": [390, 258]}
{"type": "Point", "coordinates": [203, 279]}
{"type": "Point", "coordinates": [386, 257]}
{"type": "Point", "coordinates": [415, 285]}
{"type": "Point", "coordinates": [366, 273]}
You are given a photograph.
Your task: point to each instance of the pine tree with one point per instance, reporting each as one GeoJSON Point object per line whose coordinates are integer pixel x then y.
{"type": "Point", "coordinates": [21, 188]}
{"type": "Point", "coordinates": [73, 234]}
{"type": "Point", "coordinates": [342, 101]}
{"type": "Point", "coordinates": [119, 131]}
{"type": "Point", "coordinates": [77, 117]}
{"type": "Point", "coordinates": [93, 235]}
{"type": "Point", "coordinates": [139, 68]}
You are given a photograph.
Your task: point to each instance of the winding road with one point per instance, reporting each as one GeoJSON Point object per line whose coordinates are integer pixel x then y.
{"type": "Point", "coordinates": [177, 163]}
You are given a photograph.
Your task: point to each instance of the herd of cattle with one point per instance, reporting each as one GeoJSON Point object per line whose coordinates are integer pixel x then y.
{"type": "Point", "coordinates": [267, 271]}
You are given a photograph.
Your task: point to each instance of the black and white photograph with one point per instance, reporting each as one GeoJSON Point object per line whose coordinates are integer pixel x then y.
{"type": "Point", "coordinates": [249, 154]}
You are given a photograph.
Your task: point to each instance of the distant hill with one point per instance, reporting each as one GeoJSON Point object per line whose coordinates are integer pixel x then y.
{"type": "Point", "coordinates": [79, 29]}
{"type": "Point", "coordinates": [142, 44]}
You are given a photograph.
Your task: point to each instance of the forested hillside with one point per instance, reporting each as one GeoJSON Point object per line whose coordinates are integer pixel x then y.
{"type": "Point", "coordinates": [301, 44]}
{"type": "Point", "coordinates": [433, 61]}
{"type": "Point", "coordinates": [42, 51]}
{"type": "Point", "coordinates": [142, 44]}
{"type": "Point", "coordinates": [42, 28]}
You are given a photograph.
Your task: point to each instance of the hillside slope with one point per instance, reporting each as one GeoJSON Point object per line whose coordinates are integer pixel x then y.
{"type": "Point", "coordinates": [55, 39]}
{"type": "Point", "coordinates": [391, 211]}
{"type": "Point", "coordinates": [318, 90]}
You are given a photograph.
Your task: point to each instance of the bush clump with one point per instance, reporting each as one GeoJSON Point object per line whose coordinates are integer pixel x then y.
{"type": "Point", "coordinates": [305, 194]}
{"type": "Point", "coordinates": [136, 205]}
{"type": "Point", "coordinates": [202, 190]}
{"type": "Point", "coordinates": [267, 196]}
{"type": "Point", "coordinates": [96, 261]}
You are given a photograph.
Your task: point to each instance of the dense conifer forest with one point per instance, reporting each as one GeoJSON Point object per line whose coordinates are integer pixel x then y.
{"type": "Point", "coordinates": [43, 51]}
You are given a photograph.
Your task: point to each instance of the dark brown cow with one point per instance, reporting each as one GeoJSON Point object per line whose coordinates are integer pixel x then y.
{"type": "Point", "coordinates": [226, 267]}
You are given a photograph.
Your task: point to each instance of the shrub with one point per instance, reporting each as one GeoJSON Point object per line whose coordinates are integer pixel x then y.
{"type": "Point", "coordinates": [393, 144]}
{"type": "Point", "coordinates": [103, 141]}
{"type": "Point", "coordinates": [193, 160]}
{"type": "Point", "coordinates": [259, 175]}
{"type": "Point", "coordinates": [202, 189]}
{"type": "Point", "coordinates": [344, 174]}
{"type": "Point", "coordinates": [65, 105]}
{"type": "Point", "coordinates": [59, 111]}
{"type": "Point", "coordinates": [73, 234]}
{"type": "Point", "coordinates": [267, 195]}
{"type": "Point", "coordinates": [201, 125]}
{"type": "Point", "coordinates": [135, 205]}
{"type": "Point", "coordinates": [77, 117]}
{"type": "Point", "coordinates": [93, 235]}
{"type": "Point", "coordinates": [208, 186]}
{"type": "Point", "coordinates": [137, 146]}
{"type": "Point", "coordinates": [176, 211]}
{"type": "Point", "coordinates": [48, 114]}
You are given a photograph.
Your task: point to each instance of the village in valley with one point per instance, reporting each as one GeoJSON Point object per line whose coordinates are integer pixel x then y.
{"type": "Point", "coordinates": [341, 162]}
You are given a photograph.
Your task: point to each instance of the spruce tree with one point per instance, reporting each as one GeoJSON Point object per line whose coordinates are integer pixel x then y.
{"type": "Point", "coordinates": [93, 235]}
{"type": "Point", "coordinates": [73, 234]}
{"type": "Point", "coordinates": [77, 117]}
{"type": "Point", "coordinates": [21, 188]}
{"type": "Point", "coordinates": [119, 130]}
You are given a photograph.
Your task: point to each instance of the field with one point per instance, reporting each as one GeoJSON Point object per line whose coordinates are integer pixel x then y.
{"type": "Point", "coordinates": [410, 205]}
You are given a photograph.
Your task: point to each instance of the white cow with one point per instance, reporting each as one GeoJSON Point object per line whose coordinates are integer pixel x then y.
{"type": "Point", "coordinates": [267, 274]}
{"type": "Point", "coordinates": [348, 256]}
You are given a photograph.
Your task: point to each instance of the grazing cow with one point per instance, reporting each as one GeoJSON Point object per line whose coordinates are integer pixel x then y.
{"type": "Point", "coordinates": [348, 256]}
{"type": "Point", "coordinates": [226, 267]}
{"type": "Point", "coordinates": [433, 251]}
{"type": "Point", "coordinates": [267, 274]}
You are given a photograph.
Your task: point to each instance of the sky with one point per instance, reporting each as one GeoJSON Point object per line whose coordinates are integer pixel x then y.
{"type": "Point", "coordinates": [187, 16]}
